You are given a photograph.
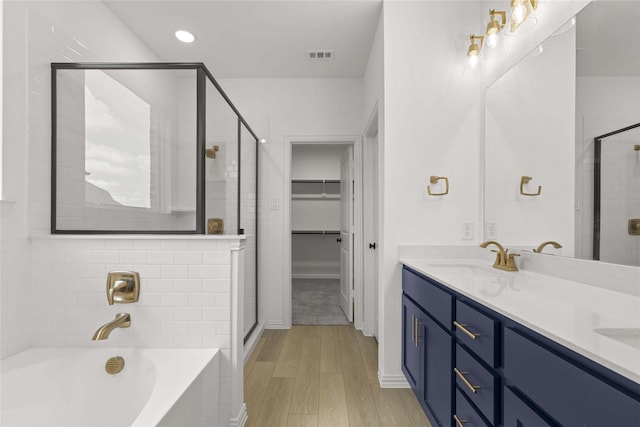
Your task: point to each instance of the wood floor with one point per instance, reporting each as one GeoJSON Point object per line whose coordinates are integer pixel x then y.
{"type": "Point", "coordinates": [320, 376]}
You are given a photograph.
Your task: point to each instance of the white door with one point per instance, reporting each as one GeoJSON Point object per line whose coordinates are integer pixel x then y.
{"type": "Point", "coordinates": [370, 222]}
{"type": "Point", "coordinates": [346, 236]}
{"type": "Point", "coordinates": [373, 246]}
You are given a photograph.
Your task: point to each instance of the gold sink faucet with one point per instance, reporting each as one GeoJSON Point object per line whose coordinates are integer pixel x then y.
{"type": "Point", "coordinates": [122, 320]}
{"type": "Point", "coordinates": [550, 242]}
{"type": "Point", "coordinates": [504, 260]}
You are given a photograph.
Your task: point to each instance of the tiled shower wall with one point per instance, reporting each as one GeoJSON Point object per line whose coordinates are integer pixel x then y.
{"type": "Point", "coordinates": [185, 296]}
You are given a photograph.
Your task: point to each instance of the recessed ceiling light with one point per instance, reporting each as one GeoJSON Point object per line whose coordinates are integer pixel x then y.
{"type": "Point", "coordinates": [185, 36]}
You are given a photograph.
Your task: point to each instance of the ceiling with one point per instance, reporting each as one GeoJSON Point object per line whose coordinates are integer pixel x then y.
{"type": "Point", "coordinates": [607, 37]}
{"type": "Point", "coordinates": [260, 38]}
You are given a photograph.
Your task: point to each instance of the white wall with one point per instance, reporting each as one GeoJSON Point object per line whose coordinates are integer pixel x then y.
{"type": "Point", "coordinates": [53, 287]}
{"type": "Point", "coordinates": [528, 132]}
{"type": "Point", "coordinates": [433, 126]}
{"type": "Point", "coordinates": [277, 109]}
{"type": "Point", "coordinates": [43, 32]}
{"type": "Point", "coordinates": [603, 104]}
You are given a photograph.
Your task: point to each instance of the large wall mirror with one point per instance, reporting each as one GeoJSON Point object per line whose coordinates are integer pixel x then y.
{"type": "Point", "coordinates": [541, 119]}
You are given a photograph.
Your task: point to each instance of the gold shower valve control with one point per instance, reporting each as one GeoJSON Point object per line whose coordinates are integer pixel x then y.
{"type": "Point", "coordinates": [123, 287]}
{"type": "Point", "coordinates": [634, 226]}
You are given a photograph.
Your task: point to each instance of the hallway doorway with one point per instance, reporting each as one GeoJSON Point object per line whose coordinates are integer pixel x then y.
{"type": "Point", "coordinates": [324, 257]}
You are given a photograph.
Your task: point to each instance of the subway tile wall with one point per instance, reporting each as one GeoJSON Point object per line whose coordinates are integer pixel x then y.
{"type": "Point", "coordinates": [184, 299]}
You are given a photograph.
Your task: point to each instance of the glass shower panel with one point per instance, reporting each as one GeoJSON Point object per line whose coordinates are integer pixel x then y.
{"type": "Point", "coordinates": [125, 150]}
{"type": "Point", "coordinates": [620, 198]}
{"type": "Point", "coordinates": [221, 164]}
{"type": "Point", "coordinates": [249, 223]}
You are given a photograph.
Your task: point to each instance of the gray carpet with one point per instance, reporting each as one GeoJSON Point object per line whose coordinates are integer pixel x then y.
{"type": "Point", "coordinates": [317, 302]}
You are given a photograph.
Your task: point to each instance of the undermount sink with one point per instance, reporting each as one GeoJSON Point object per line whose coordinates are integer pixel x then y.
{"type": "Point", "coordinates": [627, 336]}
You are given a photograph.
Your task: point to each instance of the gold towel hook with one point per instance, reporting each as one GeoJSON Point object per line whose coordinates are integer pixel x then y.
{"type": "Point", "coordinates": [525, 180]}
{"type": "Point", "coordinates": [434, 180]}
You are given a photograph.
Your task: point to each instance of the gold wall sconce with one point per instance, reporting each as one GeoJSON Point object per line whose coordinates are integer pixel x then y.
{"type": "Point", "coordinates": [634, 227]}
{"type": "Point", "coordinates": [434, 180]}
{"type": "Point", "coordinates": [493, 33]}
{"type": "Point", "coordinates": [522, 11]}
{"type": "Point", "coordinates": [473, 53]}
{"type": "Point", "coordinates": [211, 152]}
{"type": "Point", "coordinates": [636, 147]}
{"type": "Point", "coordinates": [525, 180]}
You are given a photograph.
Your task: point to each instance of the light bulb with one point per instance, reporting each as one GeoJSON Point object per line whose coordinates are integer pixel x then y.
{"type": "Point", "coordinates": [518, 13]}
{"type": "Point", "coordinates": [473, 61]}
{"type": "Point", "coordinates": [492, 40]}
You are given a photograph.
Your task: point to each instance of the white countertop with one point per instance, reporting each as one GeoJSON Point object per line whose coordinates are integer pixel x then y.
{"type": "Point", "coordinates": [565, 311]}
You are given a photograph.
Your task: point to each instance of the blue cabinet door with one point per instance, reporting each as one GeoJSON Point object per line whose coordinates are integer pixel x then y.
{"type": "Point", "coordinates": [519, 414]}
{"type": "Point", "coordinates": [438, 376]}
{"type": "Point", "coordinates": [566, 392]}
{"type": "Point", "coordinates": [411, 350]}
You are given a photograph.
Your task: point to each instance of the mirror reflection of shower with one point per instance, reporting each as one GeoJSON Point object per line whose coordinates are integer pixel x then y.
{"type": "Point", "coordinates": [617, 197]}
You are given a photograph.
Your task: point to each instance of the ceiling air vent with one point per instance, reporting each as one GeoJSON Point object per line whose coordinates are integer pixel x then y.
{"type": "Point", "coordinates": [320, 55]}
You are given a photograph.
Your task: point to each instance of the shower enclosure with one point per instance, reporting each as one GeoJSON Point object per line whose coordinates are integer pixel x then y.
{"type": "Point", "coordinates": [152, 148]}
{"type": "Point", "coordinates": [616, 226]}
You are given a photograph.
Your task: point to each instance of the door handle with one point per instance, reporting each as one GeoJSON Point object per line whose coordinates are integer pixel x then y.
{"type": "Point", "coordinates": [372, 245]}
{"type": "Point", "coordinates": [339, 239]}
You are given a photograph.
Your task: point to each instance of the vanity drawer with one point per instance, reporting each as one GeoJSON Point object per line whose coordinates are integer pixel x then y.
{"type": "Point", "coordinates": [567, 393]}
{"type": "Point", "coordinates": [519, 414]}
{"type": "Point", "coordinates": [479, 332]}
{"type": "Point", "coordinates": [466, 414]}
{"type": "Point", "coordinates": [479, 384]}
{"type": "Point", "coordinates": [435, 301]}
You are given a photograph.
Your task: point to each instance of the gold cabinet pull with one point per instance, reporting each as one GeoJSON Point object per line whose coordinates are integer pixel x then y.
{"type": "Point", "coordinates": [473, 388]}
{"type": "Point", "coordinates": [417, 332]}
{"type": "Point", "coordinates": [525, 180]}
{"type": "Point", "coordinates": [433, 180]}
{"type": "Point", "coordinates": [459, 422]}
{"type": "Point", "coordinates": [465, 330]}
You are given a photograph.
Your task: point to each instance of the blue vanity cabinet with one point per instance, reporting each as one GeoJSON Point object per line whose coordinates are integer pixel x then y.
{"type": "Point", "coordinates": [511, 376]}
{"type": "Point", "coordinates": [427, 347]}
{"type": "Point", "coordinates": [562, 388]}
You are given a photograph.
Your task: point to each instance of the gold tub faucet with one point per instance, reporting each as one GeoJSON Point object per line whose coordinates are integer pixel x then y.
{"type": "Point", "coordinates": [122, 320]}
{"type": "Point", "coordinates": [504, 260]}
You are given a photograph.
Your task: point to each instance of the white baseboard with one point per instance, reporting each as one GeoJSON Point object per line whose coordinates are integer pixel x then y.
{"type": "Point", "coordinates": [253, 341]}
{"type": "Point", "coordinates": [392, 381]}
{"type": "Point", "coordinates": [241, 419]}
{"type": "Point", "coordinates": [276, 325]}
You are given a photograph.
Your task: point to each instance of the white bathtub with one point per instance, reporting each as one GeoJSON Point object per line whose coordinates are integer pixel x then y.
{"type": "Point", "coordinates": [50, 387]}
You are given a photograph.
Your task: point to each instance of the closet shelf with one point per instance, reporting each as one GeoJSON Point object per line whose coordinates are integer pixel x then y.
{"type": "Point", "coordinates": [319, 232]}
{"type": "Point", "coordinates": [315, 189]}
{"type": "Point", "coordinates": [315, 181]}
{"type": "Point", "coordinates": [322, 196]}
